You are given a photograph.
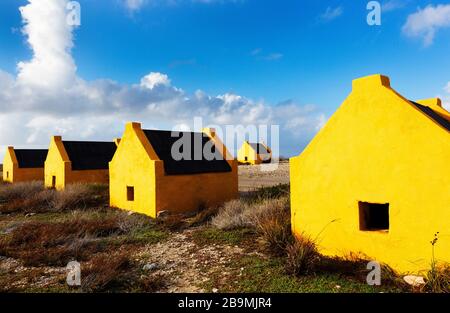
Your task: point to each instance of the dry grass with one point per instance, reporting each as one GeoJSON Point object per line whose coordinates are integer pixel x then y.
{"type": "Point", "coordinates": [242, 213]}
{"type": "Point", "coordinates": [104, 272]}
{"type": "Point", "coordinates": [9, 192]}
{"type": "Point", "coordinates": [180, 221]}
{"type": "Point", "coordinates": [32, 197]}
{"type": "Point", "coordinates": [45, 243]}
{"type": "Point", "coordinates": [302, 256]}
{"type": "Point", "coordinates": [80, 196]}
{"type": "Point", "coordinates": [273, 221]}
{"type": "Point", "coordinates": [116, 272]}
{"type": "Point", "coordinates": [438, 279]}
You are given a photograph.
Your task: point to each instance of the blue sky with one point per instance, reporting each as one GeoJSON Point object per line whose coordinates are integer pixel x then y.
{"type": "Point", "coordinates": [305, 52]}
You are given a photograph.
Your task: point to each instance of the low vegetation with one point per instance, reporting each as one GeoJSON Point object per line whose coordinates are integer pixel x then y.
{"type": "Point", "coordinates": [34, 198]}
{"type": "Point", "coordinates": [42, 230]}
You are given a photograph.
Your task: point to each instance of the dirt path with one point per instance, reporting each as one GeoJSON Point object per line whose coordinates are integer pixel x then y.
{"type": "Point", "coordinates": [187, 265]}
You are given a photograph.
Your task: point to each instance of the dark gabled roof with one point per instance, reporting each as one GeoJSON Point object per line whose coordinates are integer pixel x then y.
{"type": "Point", "coordinates": [433, 115]}
{"type": "Point", "coordinates": [89, 155]}
{"type": "Point", "coordinates": [31, 158]}
{"type": "Point", "coordinates": [162, 142]}
{"type": "Point", "coordinates": [259, 148]}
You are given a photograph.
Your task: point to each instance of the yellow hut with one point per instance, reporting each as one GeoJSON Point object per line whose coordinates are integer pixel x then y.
{"type": "Point", "coordinates": [77, 162]}
{"type": "Point", "coordinates": [20, 165]}
{"type": "Point", "coordinates": [375, 180]}
{"type": "Point", "coordinates": [146, 176]}
{"type": "Point", "coordinates": [254, 153]}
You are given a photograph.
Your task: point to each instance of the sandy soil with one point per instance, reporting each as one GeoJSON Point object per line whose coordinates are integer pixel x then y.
{"type": "Point", "coordinates": [256, 176]}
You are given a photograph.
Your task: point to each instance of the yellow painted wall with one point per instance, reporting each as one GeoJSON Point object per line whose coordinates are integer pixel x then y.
{"type": "Point", "coordinates": [58, 164]}
{"type": "Point", "coordinates": [135, 164]}
{"type": "Point", "coordinates": [13, 174]}
{"type": "Point", "coordinates": [376, 148]}
{"type": "Point", "coordinates": [247, 155]}
{"type": "Point", "coordinates": [436, 105]}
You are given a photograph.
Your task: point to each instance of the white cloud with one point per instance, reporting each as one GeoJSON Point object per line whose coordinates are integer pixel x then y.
{"type": "Point", "coordinates": [258, 53]}
{"type": "Point", "coordinates": [134, 5]}
{"type": "Point", "coordinates": [392, 5]}
{"type": "Point", "coordinates": [426, 22]}
{"type": "Point", "coordinates": [50, 37]}
{"type": "Point", "coordinates": [47, 97]}
{"type": "Point", "coordinates": [447, 88]}
{"type": "Point", "coordinates": [446, 98]}
{"type": "Point", "coordinates": [331, 13]}
{"type": "Point", "coordinates": [273, 57]}
{"type": "Point", "coordinates": [155, 79]}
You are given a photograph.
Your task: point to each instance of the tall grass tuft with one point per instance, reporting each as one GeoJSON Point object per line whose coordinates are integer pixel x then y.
{"type": "Point", "coordinates": [438, 277]}
{"type": "Point", "coordinates": [302, 256]}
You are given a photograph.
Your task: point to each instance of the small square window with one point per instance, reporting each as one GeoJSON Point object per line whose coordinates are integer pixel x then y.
{"type": "Point", "coordinates": [130, 193]}
{"type": "Point", "coordinates": [7, 174]}
{"type": "Point", "coordinates": [373, 216]}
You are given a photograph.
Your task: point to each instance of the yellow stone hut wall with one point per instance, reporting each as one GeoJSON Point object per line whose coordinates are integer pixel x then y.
{"type": "Point", "coordinates": [13, 174]}
{"type": "Point", "coordinates": [376, 148]}
{"type": "Point", "coordinates": [135, 164]}
{"type": "Point", "coordinates": [58, 164]}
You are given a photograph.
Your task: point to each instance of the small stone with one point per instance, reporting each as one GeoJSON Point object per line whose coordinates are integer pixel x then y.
{"type": "Point", "coordinates": [29, 214]}
{"type": "Point", "coordinates": [215, 290]}
{"type": "Point", "coordinates": [337, 287]}
{"type": "Point", "coordinates": [163, 214]}
{"type": "Point", "coordinates": [415, 281]}
{"type": "Point", "coordinates": [130, 213]}
{"type": "Point", "coordinates": [150, 267]}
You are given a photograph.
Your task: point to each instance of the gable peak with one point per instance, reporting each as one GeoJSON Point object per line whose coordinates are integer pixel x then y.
{"type": "Point", "coordinates": [372, 81]}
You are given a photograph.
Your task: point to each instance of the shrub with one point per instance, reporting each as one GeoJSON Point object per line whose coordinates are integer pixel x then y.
{"type": "Point", "coordinates": [33, 197]}
{"type": "Point", "coordinates": [234, 214]}
{"type": "Point", "coordinates": [438, 279]}
{"type": "Point", "coordinates": [80, 196]}
{"type": "Point", "coordinates": [274, 224]}
{"type": "Point", "coordinates": [302, 256]}
{"type": "Point", "coordinates": [105, 271]}
{"type": "Point", "coordinates": [16, 191]}
{"type": "Point", "coordinates": [45, 243]}
{"type": "Point", "coordinates": [240, 213]}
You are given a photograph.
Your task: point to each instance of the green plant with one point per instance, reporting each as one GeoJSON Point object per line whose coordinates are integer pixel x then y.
{"type": "Point", "coordinates": [438, 277]}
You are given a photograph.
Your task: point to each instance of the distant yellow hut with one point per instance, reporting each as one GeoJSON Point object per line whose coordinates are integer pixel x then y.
{"type": "Point", "coordinates": [146, 177]}
{"type": "Point", "coordinates": [77, 162]}
{"type": "Point", "coordinates": [375, 180]}
{"type": "Point", "coordinates": [254, 153]}
{"type": "Point", "coordinates": [20, 165]}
